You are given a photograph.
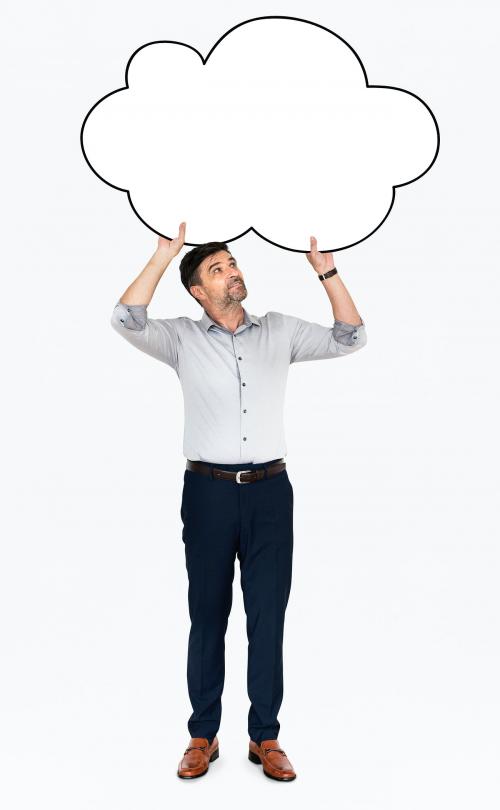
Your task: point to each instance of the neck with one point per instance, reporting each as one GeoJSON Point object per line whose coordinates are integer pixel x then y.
{"type": "Point", "coordinates": [230, 318]}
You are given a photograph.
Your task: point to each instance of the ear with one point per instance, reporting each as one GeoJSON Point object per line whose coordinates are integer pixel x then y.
{"type": "Point", "coordinates": [196, 288]}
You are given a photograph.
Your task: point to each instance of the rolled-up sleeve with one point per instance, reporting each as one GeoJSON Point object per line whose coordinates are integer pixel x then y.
{"type": "Point", "coordinates": [312, 341]}
{"type": "Point", "coordinates": [157, 337]}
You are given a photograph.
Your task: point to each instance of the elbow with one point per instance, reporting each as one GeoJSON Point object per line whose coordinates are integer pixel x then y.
{"type": "Point", "coordinates": [118, 317]}
{"type": "Point", "coordinates": [349, 338]}
{"type": "Point", "coordinates": [115, 319]}
{"type": "Point", "coordinates": [361, 339]}
{"type": "Point", "coordinates": [129, 316]}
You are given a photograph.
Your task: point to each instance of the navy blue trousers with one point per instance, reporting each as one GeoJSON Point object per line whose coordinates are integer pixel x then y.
{"type": "Point", "coordinates": [252, 521]}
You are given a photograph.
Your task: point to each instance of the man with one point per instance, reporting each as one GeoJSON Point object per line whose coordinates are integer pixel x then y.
{"type": "Point", "coordinates": [237, 499]}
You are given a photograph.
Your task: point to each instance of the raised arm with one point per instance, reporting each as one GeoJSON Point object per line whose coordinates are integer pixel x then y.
{"type": "Point", "coordinates": [142, 289]}
{"type": "Point", "coordinates": [156, 337]}
{"type": "Point", "coordinates": [342, 303]}
{"type": "Point", "coordinates": [312, 341]}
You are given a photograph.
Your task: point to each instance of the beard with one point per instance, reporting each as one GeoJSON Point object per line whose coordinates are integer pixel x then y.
{"type": "Point", "coordinates": [237, 292]}
{"type": "Point", "coordinates": [230, 296]}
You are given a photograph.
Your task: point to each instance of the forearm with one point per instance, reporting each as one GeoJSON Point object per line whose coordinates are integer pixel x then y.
{"type": "Point", "coordinates": [142, 289]}
{"type": "Point", "coordinates": [342, 303]}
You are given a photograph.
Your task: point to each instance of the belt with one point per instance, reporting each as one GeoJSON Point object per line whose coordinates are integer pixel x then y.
{"type": "Point", "coordinates": [235, 475]}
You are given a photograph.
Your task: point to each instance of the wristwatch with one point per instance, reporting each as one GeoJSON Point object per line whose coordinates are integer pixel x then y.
{"type": "Point", "coordinates": [328, 274]}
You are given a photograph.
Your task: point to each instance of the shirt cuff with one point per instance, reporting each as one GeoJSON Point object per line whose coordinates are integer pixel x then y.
{"type": "Point", "coordinates": [132, 316]}
{"type": "Point", "coordinates": [346, 333]}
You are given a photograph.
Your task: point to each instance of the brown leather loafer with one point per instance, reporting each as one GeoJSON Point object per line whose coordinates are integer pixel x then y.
{"type": "Point", "coordinates": [197, 757]}
{"type": "Point", "coordinates": [273, 759]}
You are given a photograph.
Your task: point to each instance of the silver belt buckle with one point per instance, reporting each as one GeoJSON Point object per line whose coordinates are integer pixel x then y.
{"type": "Point", "coordinates": [238, 477]}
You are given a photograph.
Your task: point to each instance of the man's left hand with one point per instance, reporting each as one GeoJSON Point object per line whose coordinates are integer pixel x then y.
{"type": "Point", "coordinates": [322, 262]}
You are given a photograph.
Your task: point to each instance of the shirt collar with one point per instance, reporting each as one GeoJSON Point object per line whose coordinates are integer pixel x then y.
{"type": "Point", "coordinates": [207, 321]}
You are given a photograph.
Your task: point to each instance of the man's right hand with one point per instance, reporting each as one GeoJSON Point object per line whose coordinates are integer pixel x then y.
{"type": "Point", "coordinates": [171, 247]}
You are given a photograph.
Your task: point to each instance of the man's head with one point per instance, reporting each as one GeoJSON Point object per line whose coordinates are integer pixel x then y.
{"type": "Point", "coordinates": [209, 273]}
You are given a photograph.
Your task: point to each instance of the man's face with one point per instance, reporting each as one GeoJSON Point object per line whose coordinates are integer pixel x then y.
{"type": "Point", "coordinates": [222, 280]}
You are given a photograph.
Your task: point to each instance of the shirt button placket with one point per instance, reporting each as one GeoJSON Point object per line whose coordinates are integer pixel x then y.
{"type": "Point", "coordinates": [244, 409]}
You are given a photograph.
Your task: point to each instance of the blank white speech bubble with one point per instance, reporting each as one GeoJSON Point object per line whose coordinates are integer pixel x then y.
{"type": "Point", "coordinates": [275, 131]}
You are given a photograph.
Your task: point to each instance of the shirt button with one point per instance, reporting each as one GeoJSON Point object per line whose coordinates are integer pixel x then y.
{"type": "Point", "coordinates": [122, 320]}
{"type": "Point", "coordinates": [354, 337]}
{"type": "Point", "coordinates": [244, 438]}
{"type": "Point", "coordinates": [243, 383]}
{"type": "Point", "coordinates": [240, 358]}
{"type": "Point", "coordinates": [244, 410]}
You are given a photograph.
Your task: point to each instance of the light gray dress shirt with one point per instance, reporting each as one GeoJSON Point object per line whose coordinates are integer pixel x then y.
{"type": "Point", "coordinates": [234, 383]}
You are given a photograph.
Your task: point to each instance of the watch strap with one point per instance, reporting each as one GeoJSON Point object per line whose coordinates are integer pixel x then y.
{"type": "Point", "coordinates": [328, 274]}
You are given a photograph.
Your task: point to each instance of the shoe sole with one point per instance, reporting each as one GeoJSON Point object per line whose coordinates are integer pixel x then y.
{"type": "Point", "coordinates": [254, 758]}
{"type": "Point", "coordinates": [214, 756]}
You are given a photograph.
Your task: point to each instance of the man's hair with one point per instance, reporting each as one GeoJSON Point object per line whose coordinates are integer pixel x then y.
{"type": "Point", "coordinates": [190, 264]}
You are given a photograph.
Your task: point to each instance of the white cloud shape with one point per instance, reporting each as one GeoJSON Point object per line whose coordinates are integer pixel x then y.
{"type": "Point", "coordinates": [276, 130]}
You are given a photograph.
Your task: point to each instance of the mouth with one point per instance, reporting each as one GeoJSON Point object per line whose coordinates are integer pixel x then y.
{"type": "Point", "coordinates": [237, 284]}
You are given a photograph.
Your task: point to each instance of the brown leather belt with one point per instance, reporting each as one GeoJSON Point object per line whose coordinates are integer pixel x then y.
{"type": "Point", "coordinates": [236, 475]}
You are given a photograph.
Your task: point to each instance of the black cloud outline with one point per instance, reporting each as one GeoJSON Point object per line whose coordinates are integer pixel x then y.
{"type": "Point", "coordinates": [205, 60]}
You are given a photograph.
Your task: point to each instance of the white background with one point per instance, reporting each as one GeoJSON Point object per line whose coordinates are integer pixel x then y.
{"type": "Point", "coordinates": [391, 652]}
